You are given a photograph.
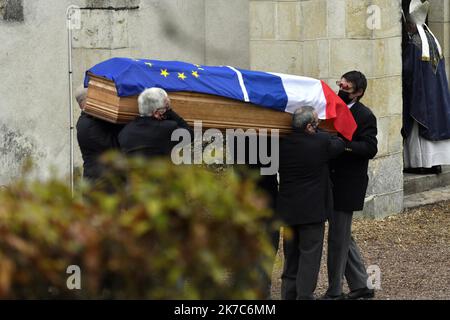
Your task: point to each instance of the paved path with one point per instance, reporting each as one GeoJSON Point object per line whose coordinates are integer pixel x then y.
{"type": "Point", "coordinates": [411, 249]}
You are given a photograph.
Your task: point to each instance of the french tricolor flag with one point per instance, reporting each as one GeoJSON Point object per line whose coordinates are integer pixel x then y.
{"type": "Point", "coordinates": [290, 92]}
{"type": "Point", "coordinates": [277, 91]}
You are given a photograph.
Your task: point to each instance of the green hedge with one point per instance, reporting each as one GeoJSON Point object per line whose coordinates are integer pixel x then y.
{"type": "Point", "coordinates": [158, 231]}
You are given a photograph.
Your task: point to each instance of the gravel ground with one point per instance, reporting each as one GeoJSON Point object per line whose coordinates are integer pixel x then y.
{"type": "Point", "coordinates": [412, 250]}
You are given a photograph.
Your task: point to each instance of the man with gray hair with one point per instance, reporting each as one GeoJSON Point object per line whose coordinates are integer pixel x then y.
{"type": "Point", "coordinates": [304, 201]}
{"type": "Point", "coordinates": [94, 137]}
{"type": "Point", "coordinates": [149, 135]}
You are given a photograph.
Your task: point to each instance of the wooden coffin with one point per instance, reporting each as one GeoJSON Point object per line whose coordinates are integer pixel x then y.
{"type": "Point", "coordinates": [214, 111]}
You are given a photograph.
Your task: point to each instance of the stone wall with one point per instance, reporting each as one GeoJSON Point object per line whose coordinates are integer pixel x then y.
{"type": "Point", "coordinates": [34, 117]}
{"type": "Point", "coordinates": [324, 39]}
{"type": "Point", "coordinates": [439, 23]}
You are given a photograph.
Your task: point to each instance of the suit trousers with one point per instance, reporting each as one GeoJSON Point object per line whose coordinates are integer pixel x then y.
{"type": "Point", "coordinates": [274, 237]}
{"type": "Point", "coordinates": [344, 257]}
{"type": "Point", "coordinates": [302, 256]}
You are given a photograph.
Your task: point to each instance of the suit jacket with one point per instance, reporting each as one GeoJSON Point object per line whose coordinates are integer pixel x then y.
{"type": "Point", "coordinates": [95, 137]}
{"type": "Point", "coordinates": [266, 183]}
{"type": "Point", "coordinates": [305, 194]}
{"type": "Point", "coordinates": [149, 137]}
{"type": "Point", "coordinates": [349, 170]}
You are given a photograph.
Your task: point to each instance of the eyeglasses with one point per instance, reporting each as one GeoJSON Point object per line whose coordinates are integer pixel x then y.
{"type": "Point", "coordinates": [162, 110]}
{"type": "Point", "coordinates": [315, 124]}
{"type": "Point", "coordinates": [344, 85]}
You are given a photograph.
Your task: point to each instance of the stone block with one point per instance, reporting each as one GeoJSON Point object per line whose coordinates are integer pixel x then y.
{"type": "Point", "coordinates": [230, 45]}
{"type": "Point", "coordinates": [392, 56]}
{"type": "Point", "coordinates": [356, 19]}
{"type": "Point", "coordinates": [316, 58]}
{"type": "Point", "coordinates": [439, 11]}
{"type": "Point", "coordinates": [171, 30]}
{"type": "Point", "coordinates": [277, 56]}
{"type": "Point", "coordinates": [383, 124]}
{"type": "Point", "coordinates": [336, 18]}
{"type": "Point", "coordinates": [446, 40]}
{"type": "Point", "coordinates": [384, 96]}
{"type": "Point", "coordinates": [331, 83]}
{"type": "Point", "coordinates": [288, 20]}
{"type": "Point", "coordinates": [351, 54]}
{"type": "Point", "coordinates": [314, 19]}
{"type": "Point", "coordinates": [262, 19]}
{"type": "Point", "coordinates": [382, 206]}
{"type": "Point", "coordinates": [102, 29]}
{"type": "Point", "coordinates": [85, 59]}
{"type": "Point", "coordinates": [442, 32]}
{"type": "Point", "coordinates": [395, 143]}
{"type": "Point", "coordinates": [367, 100]}
{"type": "Point", "coordinates": [389, 14]}
{"type": "Point", "coordinates": [387, 57]}
{"type": "Point", "coordinates": [386, 174]}
{"type": "Point", "coordinates": [418, 183]}
{"type": "Point", "coordinates": [323, 47]}
{"type": "Point", "coordinates": [380, 57]}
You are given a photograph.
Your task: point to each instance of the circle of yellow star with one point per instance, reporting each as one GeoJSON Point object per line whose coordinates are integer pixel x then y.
{"type": "Point", "coordinates": [181, 76]}
{"type": "Point", "coordinates": [195, 74]}
{"type": "Point", "coordinates": [164, 73]}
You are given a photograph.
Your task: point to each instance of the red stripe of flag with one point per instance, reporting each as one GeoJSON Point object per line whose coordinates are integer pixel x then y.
{"type": "Point", "coordinates": [338, 111]}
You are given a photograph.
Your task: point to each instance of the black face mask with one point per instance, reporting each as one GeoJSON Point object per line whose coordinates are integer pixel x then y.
{"type": "Point", "coordinates": [345, 96]}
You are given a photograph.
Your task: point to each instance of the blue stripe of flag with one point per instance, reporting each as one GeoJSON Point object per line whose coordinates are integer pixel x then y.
{"type": "Point", "coordinates": [265, 89]}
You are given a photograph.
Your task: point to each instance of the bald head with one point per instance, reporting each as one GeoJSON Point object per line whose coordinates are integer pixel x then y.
{"type": "Point", "coordinates": [304, 116]}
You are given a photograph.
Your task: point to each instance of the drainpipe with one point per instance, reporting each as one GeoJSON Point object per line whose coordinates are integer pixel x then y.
{"type": "Point", "coordinates": [72, 22]}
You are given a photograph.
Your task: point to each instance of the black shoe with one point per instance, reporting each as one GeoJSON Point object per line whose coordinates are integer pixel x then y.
{"type": "Point", "coordinates": [432, 170]}
{"type": "Point", "coordinates": [437, 169]}
{"type": "Point", "coordinates": [328, 297]}
{"type": "Point", "coordinates": [363, 293]}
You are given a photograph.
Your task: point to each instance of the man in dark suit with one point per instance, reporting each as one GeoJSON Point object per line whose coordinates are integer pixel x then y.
{"type": "Point", "coordinates": [349, 177]}
{"type": "Point", "coordinates": [94, 137]}
{"type": "Point", "coordinates": [150, 134]}
{"type": "Point", "coordinates": [268, 185]}
{"type": "Point", "coordinates": [304, 201]}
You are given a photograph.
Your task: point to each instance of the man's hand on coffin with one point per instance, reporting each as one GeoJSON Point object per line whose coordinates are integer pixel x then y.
{"type": "Point", "coordinates": [171, 115]}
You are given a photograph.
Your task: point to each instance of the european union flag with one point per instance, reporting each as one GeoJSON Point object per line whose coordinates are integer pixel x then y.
{"type": "Point", "coordinates": [133, 76]}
